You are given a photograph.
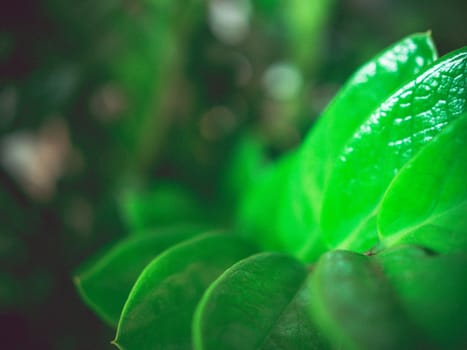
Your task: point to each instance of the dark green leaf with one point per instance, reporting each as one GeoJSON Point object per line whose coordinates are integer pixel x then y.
{"type": "Point", "coordinates": [161, 205]}
{"type": "Point", "coordinates": [355, 307]}
{"type": "Point", "coordinates": [433, 290]}
{"type": "Point", "coordinates": [104, 282]}
{"type": "Point", "coordinates": [260, 208]}
{"type": "Point", "coordinates": [259, 303]}
{"type": "Point", "coordinates": [159, 310]}
{"type": "Point", "coordinates": [427, 202]}
{"type": "Point", "coordinates": [390, 137]}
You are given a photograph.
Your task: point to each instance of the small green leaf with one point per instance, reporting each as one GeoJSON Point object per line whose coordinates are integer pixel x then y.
{"type": "Point", "coordinates": [259, 209]}
{"type": "Point", "coordinates": [159, 310]}
{"type": "Point", "coordinates": [355, 307]}
{"type": "Point", "coordinates": [161, 205]}
{"type": "Point", "coordinates": [391, 136]}
{"type": "Point", "coordinates": [259, 303]}
{"type": "Point", "coordinates": [246, 162]}
{"type": "Point", "coordinates": [432, 290]}
{"type": "Point", "coordinates": [426, 203]}
{"type": "Point", "coordinates": [105, 282]}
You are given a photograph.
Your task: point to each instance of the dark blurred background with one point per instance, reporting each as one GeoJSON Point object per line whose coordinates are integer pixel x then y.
{"type": "Point", "coordinates": [108, 104]}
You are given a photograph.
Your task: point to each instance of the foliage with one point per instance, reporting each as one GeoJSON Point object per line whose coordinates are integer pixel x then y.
{"type": "Point", "coordinates": [359, 232]}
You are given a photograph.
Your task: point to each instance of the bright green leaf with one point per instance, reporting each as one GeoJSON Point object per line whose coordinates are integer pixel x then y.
{"type": "Point", "coordinates": [291, 193]}
{"type": "Point", "coordinates": [159, 310]}
{"type": "Point", "coordinates": [355, 307]}
{"type": "Point", "coordinates": [390, 137]}
{"type": "Point", "coordinates": [359, 97]}
{"type": "Point", "coordinates": [427, 202]}
{"type": "Point", "coordinates": [105, 282]}
{"type": "Point", "coordinates": [433, 290]}
{"type": "Point", "coordinates": [297, 187]}
{"type": "Point", "coordinates": [259, 303]}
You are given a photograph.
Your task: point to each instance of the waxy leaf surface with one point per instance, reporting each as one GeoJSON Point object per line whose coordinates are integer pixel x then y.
{"type": "Point", "coordinates": [360, 96]}
{"type": "Point", "coordinates": [293, 196]}
{"type": "Point", "coordinates": [105, 282]}
{"type": "Point", "coordinates": [390, 137]}
{"type": "Point", "coordinates": [354, 305]}
{"type": "Point", "coordinates": [427, 202]}
{"type": "Point", "coordinates": [259, 303]}
{"type": "Point", "coordinates": [160, 307]}
{"type": "Point", "coordinates": [432, 290]}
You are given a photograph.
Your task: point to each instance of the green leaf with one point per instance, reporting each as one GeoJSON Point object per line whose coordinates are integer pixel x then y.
{"type": "Point", "coordinates": [432, 290]}
{"type": "Point", "coordinates": [246, 162]}
{"type": "Point", "coordinates": [355, 307]}
{"type": "Point", "coordinates": [305, 20]}
{"type": "Point", "coordinates": [259, 303]}
{"type": "Point", "coordinates": [390, 137]}
{"type": "Point", "coordinates": [426, 204]}
{"type": "Point", "coordinates": [106, 280]}
{"type": "Point", "coordinates": [159, 310]}
{"type": "Point", "coordinates": [259, 208]}
{"type": "Point", "coordinates": [143, 63]}
{"type": "Point", "coordinates": [161, 205]}
{"type": "Point", "coordinates": [357, 99]}
{"type": "Point", "coordinates": [293, 195]}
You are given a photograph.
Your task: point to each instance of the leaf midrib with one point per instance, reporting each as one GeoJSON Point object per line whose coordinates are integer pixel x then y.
{"type": "Point", "coordinates": [282, 312]}
{"type": "Point", "coordinates": [394, 238]}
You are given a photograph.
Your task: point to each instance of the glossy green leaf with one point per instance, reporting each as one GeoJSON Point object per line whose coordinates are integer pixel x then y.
{"type": "Point", "coordinates": [105, 282]}
{"type": "Point", "coordinates": [159, 309]}
{"type": "Point", "coordinates": [390, 137]}
{"type": "Point", "coordinates": [358, 98]}
{"type": "Point", "coordinates": [282, 210]}
{"type": "Point", "coordinates": [355, 307]}
{"type": "Point", "coordinates": [432, 290]}
{"type": "Point", "coordinates": [259, 303]}
{"type": "Point", "coordinates": [427, 202]}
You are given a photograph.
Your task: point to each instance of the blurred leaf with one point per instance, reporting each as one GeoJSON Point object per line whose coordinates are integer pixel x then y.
{"type": "Point", "coordinates": [426, 204]}
{"type": "Point", "coordinates": [11, 293]}
{"type": "Point", "coordinates": [259, 303]}
{"type": "Point", "coordinates": [307, 19]}
{"type": "Point", "coordinates": [432, 290]}
{"type": "Point", "coordinates": [159, 310]}
{"type": "Point", "coordinates": [247, 163]}
{"type": "Point", "coordinates": [132, 52]}
{"type": "Point", "coordinates": [355, 307]}
{"type": "Point", "coordinates": [105, 281]}
{"type": "Point", "coordinates": [389, 138]}
{"type": "Point", "coordinates": [260, 206]}
{"type": "Point", "coordinates": [161, 205]}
